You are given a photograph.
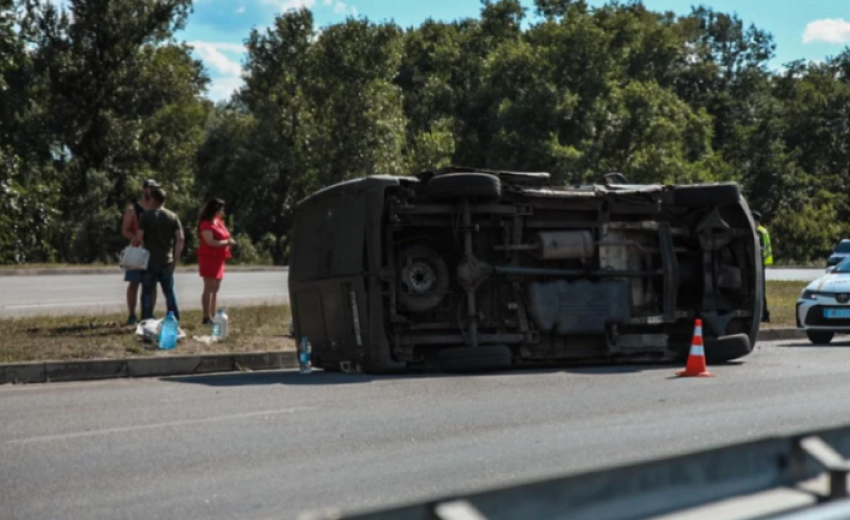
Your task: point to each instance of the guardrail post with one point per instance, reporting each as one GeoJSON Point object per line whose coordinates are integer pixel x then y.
{"type": "Point", "coordinates": [832, 461]}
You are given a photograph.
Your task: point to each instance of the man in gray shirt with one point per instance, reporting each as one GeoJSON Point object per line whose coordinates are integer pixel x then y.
{"type": "Point", "coordinates": [161, 233]}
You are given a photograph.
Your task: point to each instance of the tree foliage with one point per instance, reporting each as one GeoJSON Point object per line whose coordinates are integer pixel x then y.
{"type": "Point", "coordinates": [98, 96]}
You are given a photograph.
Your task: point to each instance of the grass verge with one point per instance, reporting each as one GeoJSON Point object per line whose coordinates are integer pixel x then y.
{"type": "Point", "coordinates": [258, 328]}
{"type": "Point", "coordinates": [781, 300]}
{"type": "Point", "coordinates": [252, 329]}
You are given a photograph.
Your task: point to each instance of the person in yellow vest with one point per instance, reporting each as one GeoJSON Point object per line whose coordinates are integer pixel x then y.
{"type": "Point", "coordinates": [767, 259]}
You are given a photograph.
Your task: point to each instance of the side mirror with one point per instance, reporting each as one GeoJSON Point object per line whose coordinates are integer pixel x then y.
{"type": "Point", "coordinates": [830, 269]}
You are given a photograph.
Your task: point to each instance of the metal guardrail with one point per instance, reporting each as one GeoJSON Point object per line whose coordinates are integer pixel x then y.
{"type": "Point", "coordinates": [656, 488]}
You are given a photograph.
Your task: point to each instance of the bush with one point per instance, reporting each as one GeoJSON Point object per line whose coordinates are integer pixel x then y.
{"type": "Point", "coordinates": [246, 253]}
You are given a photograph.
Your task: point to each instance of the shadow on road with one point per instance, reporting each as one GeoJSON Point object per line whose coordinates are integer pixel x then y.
{"type": "Point", "coordinates": [834, 344]}
{"type": "Point", "coordinates": [322, 378]}
{"type": "Point", "coordinates": [617, 369]}
{"type": "Point", "coordinates": [318, 377]}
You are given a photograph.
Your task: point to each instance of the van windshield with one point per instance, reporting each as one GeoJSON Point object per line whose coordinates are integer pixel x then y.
{"type": "Point", "coordinates": [843, 247]}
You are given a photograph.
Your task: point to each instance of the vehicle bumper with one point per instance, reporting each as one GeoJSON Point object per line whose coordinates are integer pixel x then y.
{"type": "Point", "coordinates": [810, 315]}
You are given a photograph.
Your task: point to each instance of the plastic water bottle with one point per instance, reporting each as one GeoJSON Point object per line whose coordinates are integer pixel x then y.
{"type": "Point", "coordinates": [304, 351]}
{"type": "Point", "coordinates": [220, 325]}
{"type": "Point", "coordinates": [168, 332]}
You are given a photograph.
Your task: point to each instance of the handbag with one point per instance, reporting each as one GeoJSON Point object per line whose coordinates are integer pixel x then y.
{"type": "Point", "coordinates": [134, 258]}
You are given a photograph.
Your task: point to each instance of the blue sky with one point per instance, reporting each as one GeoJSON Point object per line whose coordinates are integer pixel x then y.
{"type": "Point", "coordinates": [803, 30]}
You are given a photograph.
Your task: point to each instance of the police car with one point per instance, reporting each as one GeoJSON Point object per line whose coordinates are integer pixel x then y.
{"type": "Point", "coordinates": [823, 309]}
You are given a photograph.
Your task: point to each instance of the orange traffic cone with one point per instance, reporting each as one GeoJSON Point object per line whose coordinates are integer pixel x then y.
{"type": "Point", "coordinates": [696, 359]}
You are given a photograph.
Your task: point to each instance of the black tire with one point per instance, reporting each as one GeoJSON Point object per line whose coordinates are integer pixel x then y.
{"type": "Point", "coordinates": [433, 295]}
{"type": "Point", "coordinates": [725, 194]}
{"type": "Point", "coordinates": [819, 337]}
{"type": "Point", "coordinates": [727, 348]}
{"type": "Point", "coordinates": [453, 186]}
{"type": "Point", "coordinates": [476, 359]}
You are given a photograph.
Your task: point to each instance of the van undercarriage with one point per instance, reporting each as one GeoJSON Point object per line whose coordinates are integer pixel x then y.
{"type": "Point", "coordinates": [479, 270]}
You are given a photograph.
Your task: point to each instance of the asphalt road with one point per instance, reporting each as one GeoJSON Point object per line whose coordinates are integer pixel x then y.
{"type": "Point", "coordinates": [273, 445]}
{"type": "Point", "coordinates": [96, 294]}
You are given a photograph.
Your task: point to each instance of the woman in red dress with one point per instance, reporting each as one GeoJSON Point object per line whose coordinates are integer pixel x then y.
{"type": "Point", "coordinates": [212, 253]}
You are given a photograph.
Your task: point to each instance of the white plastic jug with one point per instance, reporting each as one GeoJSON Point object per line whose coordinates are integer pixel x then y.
{"type": "Point", "coordinates": [220, 325]}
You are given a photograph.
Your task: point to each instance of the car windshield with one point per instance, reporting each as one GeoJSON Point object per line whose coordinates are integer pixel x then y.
{"type": "Point", "coordinates": [843, 266]}
{"type": "Point", "coordinates": [843, 247]}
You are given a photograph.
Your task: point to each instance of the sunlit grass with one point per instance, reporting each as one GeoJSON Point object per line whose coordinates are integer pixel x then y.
{"type": "Point", "coordinates": [252, 329]}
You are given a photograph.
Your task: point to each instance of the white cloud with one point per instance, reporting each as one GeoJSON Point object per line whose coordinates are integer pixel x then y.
{"type": "Point", "coordinates": [221, 46]}
{"type": "Point", "coordinates": [286, 5]}
{"type": "Point", "coordinates": [241, 10]}
{"type": "Point", "coordinates": [223, 88]}
{"type": "Point", "coordinates": [225, 71]}
{"type": "Point", "coordinates": [213, 57]}
{"type": "Point", "coordinates": [829, 30]}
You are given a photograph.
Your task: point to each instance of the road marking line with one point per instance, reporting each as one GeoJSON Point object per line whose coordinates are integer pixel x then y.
{"type": "Point", "coordinates": [126, 429]}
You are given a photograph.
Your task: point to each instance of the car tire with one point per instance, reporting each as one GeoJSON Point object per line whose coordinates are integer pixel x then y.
{"type": "Point", "coordinates": [727, 348]}
{"type": "Point", "coordinates": [453, 186]}
{"type": "Point", "coordinates": [723, 194]}
{"type": "Point", "coordinates": [819, 337]}
{"type": "Point", "coordinates": [424, 302]}
{"type": "Point", "coordinates": [476, 359]}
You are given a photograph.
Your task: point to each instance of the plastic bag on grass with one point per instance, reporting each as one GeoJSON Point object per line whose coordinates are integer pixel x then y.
{"type": "Point", "coordinates": [148, 330]}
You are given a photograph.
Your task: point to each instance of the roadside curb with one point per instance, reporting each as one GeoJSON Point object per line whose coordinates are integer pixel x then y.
{"type": "Point", "coordinates": [73, 271]}
{"type": "Point", "coordinates": [94, 369]}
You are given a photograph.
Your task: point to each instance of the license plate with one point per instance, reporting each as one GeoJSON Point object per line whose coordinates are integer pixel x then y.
{"type": "Point", "coordinates": [836, 313]}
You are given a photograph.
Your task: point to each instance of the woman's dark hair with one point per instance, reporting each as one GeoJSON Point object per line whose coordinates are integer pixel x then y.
{"type": "Point", "coordinates": [209, 209]}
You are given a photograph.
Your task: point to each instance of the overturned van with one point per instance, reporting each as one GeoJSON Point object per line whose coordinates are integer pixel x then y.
{"type": "Point", "coordinates": [471, 269]}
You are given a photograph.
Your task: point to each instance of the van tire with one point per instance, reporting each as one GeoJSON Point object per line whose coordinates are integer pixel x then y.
{"type": "Point", "coordinates": [475, 359]}
{"type": "Point", "coordinates": [723, 194]}
{"type": "Point", "coordinates": [453, 186]}
{"type": "Point", "coordinates": [727, 348]}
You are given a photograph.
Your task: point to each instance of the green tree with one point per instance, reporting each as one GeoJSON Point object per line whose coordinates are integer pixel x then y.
{"type": "Point", "coordinates": [123, 103]}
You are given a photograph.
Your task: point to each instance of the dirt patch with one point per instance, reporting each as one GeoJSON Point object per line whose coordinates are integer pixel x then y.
{"type": "Point", "coordinates": [256, 328]}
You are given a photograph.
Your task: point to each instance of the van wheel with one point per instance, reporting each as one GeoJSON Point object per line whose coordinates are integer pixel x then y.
{"type": "Point", "coordinates": [424, 278]}
{"type": "Point", "coordinates": [455, 186]}
{"type": "Point", "coordinates": [727, 348]}
{"type": "Point", "coordinates": [476, 359]}
{"type": "Point", "coordinates": [818, 337]}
